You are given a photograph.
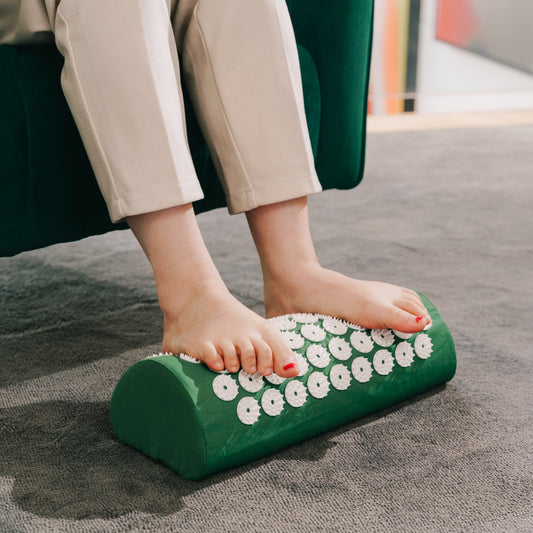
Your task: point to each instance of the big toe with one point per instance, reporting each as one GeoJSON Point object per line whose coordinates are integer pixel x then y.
{"type": "Point", "coordinates": [288, 368]}
{"type": "Point", "coordinates": [285, 363]}
{"type": "Point", "coordinates": [402, 320]}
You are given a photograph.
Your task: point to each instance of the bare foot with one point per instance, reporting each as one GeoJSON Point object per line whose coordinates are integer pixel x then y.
{"type": "Point", "coordinates": [202, 318]}
{"type": "Point", "coordinates": [312, 289]}
{"type": "Point", "coordinates": [216, 328]}
{"type": "Point", "coordinates": [295, 281]}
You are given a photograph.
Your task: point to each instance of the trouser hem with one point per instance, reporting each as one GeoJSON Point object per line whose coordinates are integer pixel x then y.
{"type": "Point", "coordinates": [178, 194]}
{"type": "Point", "coordinates": [274, 192]}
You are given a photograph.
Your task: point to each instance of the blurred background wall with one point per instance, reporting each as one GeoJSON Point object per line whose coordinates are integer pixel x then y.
{"type": "Point", "coordinates": [437, 56]}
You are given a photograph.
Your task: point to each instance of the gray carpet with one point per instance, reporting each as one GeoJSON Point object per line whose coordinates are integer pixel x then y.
{"type": "Point", "coordinates": [448, 213]}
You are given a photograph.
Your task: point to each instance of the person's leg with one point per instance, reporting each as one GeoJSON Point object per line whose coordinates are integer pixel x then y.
{"type": "Point", "coordinates": [240, 63]}
{"type": "Point", "coordinates": [294, 281]}
{"type": "Point", "coordinates": [201, 317]}
{"type": "Point", "coordinates": [121, 81]}
{"type": "Point", "coordinates": [240, 58]}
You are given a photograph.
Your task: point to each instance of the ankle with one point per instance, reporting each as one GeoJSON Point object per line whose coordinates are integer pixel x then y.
{"type": "Point", "coordinates": [283, 251]}
{"type": "Point", "coordinates": [286, 273]}
{"type": "Point", "coordinates": [282, 287]}
{"type": "Point", "coordinates": [175, 298]}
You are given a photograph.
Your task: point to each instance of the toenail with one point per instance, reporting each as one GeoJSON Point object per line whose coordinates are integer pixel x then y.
{"type": "Point", "coordinates": [419, 318]}
{"type": "Point", "coordinates": [288, 366]}
{"type": "Point", "coordinates": [253, 370]}
{"type": "Point", "coordinates": [268, 371]}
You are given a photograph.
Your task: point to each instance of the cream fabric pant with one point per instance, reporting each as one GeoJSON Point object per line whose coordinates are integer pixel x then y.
{"type": "Point", "coordinates": [121, 80]}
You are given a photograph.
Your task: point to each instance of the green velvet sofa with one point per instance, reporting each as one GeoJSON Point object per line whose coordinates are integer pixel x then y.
{"type": "Point", "coordinates": [48, 192]}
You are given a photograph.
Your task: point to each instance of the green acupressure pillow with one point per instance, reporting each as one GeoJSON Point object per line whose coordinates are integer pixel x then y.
{"type": "Point", "coordinates": [198, 422]}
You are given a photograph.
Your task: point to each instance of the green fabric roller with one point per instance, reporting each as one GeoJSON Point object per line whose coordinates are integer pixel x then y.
{"type": "Point", "coordinates": [198, 422]}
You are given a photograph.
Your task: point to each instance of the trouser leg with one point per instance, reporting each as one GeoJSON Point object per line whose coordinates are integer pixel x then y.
{"type": "Point", "coordinates": [240, 63]}
{"type": "Point", "coordinates": [121, 81]}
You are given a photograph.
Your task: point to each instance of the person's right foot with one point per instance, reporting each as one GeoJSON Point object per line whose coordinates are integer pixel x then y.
{"type": "Point", "coordinates": [213, 326]}
{"type": "Point", "coordinates": [371, 304]}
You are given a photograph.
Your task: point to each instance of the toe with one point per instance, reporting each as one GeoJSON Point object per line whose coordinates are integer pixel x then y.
{"type": "Point", "coordinates": [413, 307]}
{"type": "Point", "coordinates": [412, 294]}
{"type": "Point", "coordinates": [265, 361]}
{"type": "Point", "coordinates": [408, 322]}
{"type": "Point", "coordinates": [247, 355]}
{"type": "Point", "coordinates": [285, 364]}
{"type": "Point", "coordinates": [229, 353]}
{"type": "Point", "coordinates": [408, 294]}
{"type": "Point", "coordinates": [209, 355]}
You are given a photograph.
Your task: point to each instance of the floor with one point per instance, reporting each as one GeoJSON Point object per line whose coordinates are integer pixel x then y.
{"type": "Point", "coordinates": [445, 210]}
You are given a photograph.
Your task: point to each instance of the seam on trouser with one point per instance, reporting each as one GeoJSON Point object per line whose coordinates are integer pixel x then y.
{"type": "Point", "coordinates": [177, 88]}
{"type": "Point", "coordinates": [295, 84]}
{"type": "Point", "coordinates": [75, 71]}
{"type": "Point", "coordinates": [196, 21]}
{"type": "Point", "coordinates": [283, 190]}
{"type": "Point", "coordinates": [155, 200]}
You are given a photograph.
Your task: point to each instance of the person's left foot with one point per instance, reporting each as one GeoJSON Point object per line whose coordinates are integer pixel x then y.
{"type": "Point", "coordinates": [310, 288]}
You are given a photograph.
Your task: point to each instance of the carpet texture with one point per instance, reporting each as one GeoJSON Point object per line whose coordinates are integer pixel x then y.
{"type": "Point", "coordinates": [445, 212]}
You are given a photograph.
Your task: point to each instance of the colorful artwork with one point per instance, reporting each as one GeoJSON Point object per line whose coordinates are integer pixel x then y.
{"type": "Point", "coordinates": [394, 55]}
{"type": "Point", "coordinates": [499, 30]}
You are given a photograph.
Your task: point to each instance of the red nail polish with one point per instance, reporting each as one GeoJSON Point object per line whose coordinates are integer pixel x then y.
{"type": "Point", "coordinates": [419, 318]}
{"type": "Point", "coordinates": [288, 366]}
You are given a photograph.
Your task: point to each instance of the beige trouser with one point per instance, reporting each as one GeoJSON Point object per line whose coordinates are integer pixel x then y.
{"type": "Point", "coordinates": [121, 79]}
